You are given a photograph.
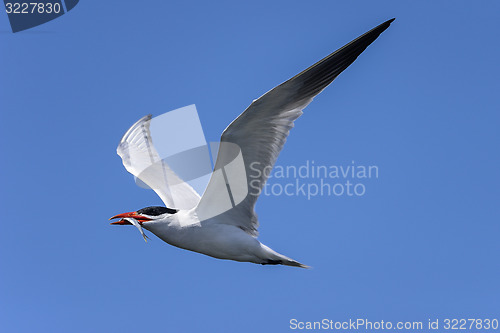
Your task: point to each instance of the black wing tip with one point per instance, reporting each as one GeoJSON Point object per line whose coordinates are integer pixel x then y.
{"type": "Point", "coordinates": [384, 25]}
{"type": "Point", "coordinates": [373, 34]}
{"type": "Point", "coordinates": [316, 77]}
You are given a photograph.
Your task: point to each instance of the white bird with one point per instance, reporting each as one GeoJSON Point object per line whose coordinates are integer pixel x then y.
{"type": "Point", "coordinates": [222, 223]}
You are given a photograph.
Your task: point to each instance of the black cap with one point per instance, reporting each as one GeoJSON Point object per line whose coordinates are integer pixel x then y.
{"type": "Point", "coordinates": [156, 210]}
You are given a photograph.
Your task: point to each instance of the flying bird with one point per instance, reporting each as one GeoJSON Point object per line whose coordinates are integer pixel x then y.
{"type": "Point", "coordinates": [222, 223]}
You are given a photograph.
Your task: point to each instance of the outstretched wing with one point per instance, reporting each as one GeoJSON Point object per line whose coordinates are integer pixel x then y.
{"type": "Point", "coordinates": [141, 159]}
{"type": "Point", "coordinates": [261, 131]}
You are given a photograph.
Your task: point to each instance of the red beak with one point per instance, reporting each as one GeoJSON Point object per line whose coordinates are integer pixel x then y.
{"type": "Point", "coordinates": [133, 215]}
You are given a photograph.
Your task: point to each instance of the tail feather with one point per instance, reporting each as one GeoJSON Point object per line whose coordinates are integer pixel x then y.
{"type": "Point", "coordinates": [294, 263]}
{"type": "Point", "coordinates": [274, 258]}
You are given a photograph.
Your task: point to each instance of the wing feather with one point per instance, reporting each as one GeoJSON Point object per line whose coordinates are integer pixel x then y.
{"type": "Point", "coordinates": [141, 159]}
{"type": "Point", "coordinates": [262, 129]}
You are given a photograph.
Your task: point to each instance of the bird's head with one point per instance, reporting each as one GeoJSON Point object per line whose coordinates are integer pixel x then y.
{"type": "Point", "coordinates": [148, 214]}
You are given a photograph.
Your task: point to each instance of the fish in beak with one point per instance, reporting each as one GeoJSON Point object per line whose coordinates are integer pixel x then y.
{"type": "Point", "coordinates": [132, 218]}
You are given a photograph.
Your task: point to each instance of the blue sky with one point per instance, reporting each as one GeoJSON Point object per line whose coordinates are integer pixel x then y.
{"type": "Point", "coordinates": [421, 103]}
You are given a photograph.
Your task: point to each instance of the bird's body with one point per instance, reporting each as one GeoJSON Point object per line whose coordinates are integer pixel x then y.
{"type": "Point", "coordinates": [222, 223]}
{"type": "Point", "coordinates": [215, 238]}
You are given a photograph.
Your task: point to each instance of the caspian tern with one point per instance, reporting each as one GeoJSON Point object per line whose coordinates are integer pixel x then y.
{"type": "Point", "coordinates": [207, 224]}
